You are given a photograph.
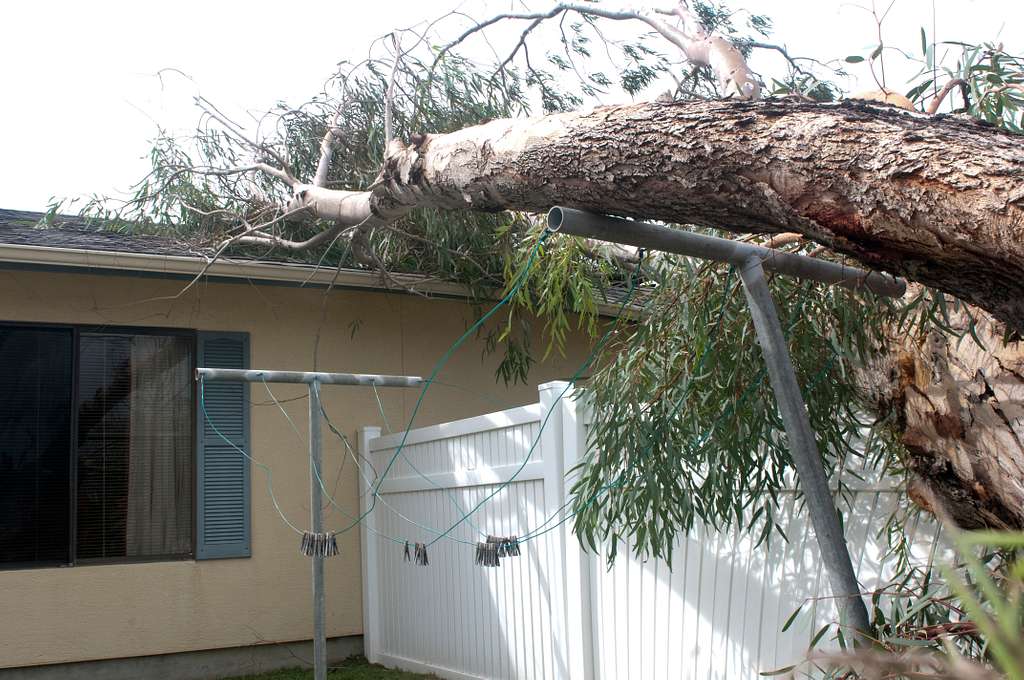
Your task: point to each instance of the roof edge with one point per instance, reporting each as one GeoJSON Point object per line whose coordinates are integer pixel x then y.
{"type": "Point", "coordinates": [243, 270]}
{"type": "Point", "coordinates": [223, 268]}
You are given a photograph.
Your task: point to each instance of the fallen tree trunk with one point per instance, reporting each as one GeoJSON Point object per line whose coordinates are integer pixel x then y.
{"type": "Point", "coordinates": [939, 200]}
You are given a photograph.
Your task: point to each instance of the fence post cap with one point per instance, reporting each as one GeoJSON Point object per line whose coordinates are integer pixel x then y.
{"type": "Point", "coordinates": [552, 385]}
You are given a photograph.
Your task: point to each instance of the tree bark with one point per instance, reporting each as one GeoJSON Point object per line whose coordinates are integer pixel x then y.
{"type": "Point", "coordinates": [959, 410]}
{"type": "Point", "coordinates": [939, 200]}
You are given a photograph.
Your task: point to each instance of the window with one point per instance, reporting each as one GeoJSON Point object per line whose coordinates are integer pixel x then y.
{"type": "Point", "coordinates": [135, 446]}
{"type": "Point", "coordinates": [35, 445]}
{"type": "Point", "coordinates": [97, 445]}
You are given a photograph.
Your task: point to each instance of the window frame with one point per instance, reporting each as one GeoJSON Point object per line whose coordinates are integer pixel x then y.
{"type": "Point", "coordinates": [77, 330]}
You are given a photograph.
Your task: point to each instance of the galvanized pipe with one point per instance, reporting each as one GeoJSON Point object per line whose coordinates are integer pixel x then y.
{"type": "Point", "coordinates": [313, 380]}
{"type": "Point", "coordinates": [806, 459]}
{"type": "Point", "coordinates": [751, 261]}
{"type": "Point", "coordinates": [316, 521]}
{"type": "Point", "coordinates": [657, 237]}
{"type": "Point", "coordinates": [240, 375]}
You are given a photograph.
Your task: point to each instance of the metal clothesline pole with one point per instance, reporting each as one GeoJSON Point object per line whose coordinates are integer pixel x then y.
{"type": "Point", "coordinates": [316, 520]}
{"type": "Point", "coordinates": [316, 525]}
{"type": "Point", "coordinates": [752, 260]}
{"type": "Point", "coordinates": [657, 237]}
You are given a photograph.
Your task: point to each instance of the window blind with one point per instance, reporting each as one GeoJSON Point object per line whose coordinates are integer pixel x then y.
{"type": "Point", "coordinates": [135, 424]}
{"type": "Point", "coordinates": [35, 428]}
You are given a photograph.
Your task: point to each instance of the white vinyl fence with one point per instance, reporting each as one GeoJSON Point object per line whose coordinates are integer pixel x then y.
{"type": "Point", "coordinates": [557, 612]}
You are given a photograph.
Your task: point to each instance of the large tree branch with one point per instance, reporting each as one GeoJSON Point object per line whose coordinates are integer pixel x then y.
{"type": "Point", "coordinates": [939, 200]}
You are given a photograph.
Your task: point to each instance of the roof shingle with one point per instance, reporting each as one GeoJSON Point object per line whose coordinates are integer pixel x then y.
{"type": "Point", "coordinates": [21, 227]}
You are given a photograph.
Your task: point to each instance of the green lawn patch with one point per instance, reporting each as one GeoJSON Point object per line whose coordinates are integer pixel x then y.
{"type": "Point", "coordinates": [353, 668]}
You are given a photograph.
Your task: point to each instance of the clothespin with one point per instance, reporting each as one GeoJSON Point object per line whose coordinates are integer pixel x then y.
{"type": "Point", "coordinates": [421, 555]}
{"type": "Point", "coordinates": [487, 552]}
{"type": "Point", "coordinates": [318, 544]}
{"type": "Point", "coordinates": [503, 546]}
{"type": "Point", "coordinates": [406, 552]}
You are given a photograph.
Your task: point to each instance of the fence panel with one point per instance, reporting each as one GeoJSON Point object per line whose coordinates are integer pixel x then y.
{"type": "Point", "coordinates": [454, 618]}
{"type": "Point", "coordinates": [557, 612]}
{"type": "Point", "coordinates": [718, 613]}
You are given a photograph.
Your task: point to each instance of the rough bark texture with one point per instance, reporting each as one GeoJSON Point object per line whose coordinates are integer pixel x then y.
{"type": "Point", "coordinates": [937, 199]}
{"type": "Point", "coordinates": [960, 414]}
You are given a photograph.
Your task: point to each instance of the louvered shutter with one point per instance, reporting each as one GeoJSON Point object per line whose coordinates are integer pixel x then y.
{"type": "Point", "coordinates": [223, 472]}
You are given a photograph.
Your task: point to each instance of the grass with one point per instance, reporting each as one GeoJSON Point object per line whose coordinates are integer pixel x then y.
{"type": "Point", "coordinates": [353, 668]}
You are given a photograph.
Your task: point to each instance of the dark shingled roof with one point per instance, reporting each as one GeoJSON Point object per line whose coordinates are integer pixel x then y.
{"type": "Point", "coordinates": [21, 227]}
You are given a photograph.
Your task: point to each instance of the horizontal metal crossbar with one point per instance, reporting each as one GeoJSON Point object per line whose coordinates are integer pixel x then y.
{"type": "Point", "coordinates": [667, 239]}
{"type": "Point", "coordinates": [240, 375]}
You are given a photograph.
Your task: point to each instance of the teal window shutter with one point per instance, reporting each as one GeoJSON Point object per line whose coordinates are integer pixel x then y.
{"type": "Point", "coordinates": [223, 494]}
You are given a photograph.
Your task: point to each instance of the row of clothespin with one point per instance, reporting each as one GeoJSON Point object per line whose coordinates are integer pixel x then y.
{"type": "Point", "coordinates": [319, 544]}
{"type": "Point", "coordinates": [490, 552]}
{"type": "Point", "coordinates": [420, 552]}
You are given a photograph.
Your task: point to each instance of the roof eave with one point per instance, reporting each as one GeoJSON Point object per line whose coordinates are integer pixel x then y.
{"type": "Point", "coordinates": [225, 268]}
{"type": "Point", "coordinates": [98, 261]}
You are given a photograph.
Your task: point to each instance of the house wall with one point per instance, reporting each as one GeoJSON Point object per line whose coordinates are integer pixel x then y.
{"type": "Point", "coordinates": [52, 615]}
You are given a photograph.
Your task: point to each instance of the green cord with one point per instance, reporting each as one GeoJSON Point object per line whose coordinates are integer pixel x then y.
{"type": "Point", "coordinates": [705, 437]}
{"type": "Point", "coordinates": [569, 384]}
{"type": "Point", "coordinates": [520, 280]}
{"type": "Point", "coordinates": [540, 530]}
{"type": "Point", "coordinates": [266, 468]}
{"type": "Point", "coordinates": [408, 461]}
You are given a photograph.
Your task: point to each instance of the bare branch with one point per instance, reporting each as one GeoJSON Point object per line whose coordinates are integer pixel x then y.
{"type": "Point", "coordinates": [711, 49]}
{"type": "Point", "coordinates": [935, 103]}
{"type": "Point", "coordinates": [282, 175]}
{"type": "Point", "coordinates": [224, 245]}
{"type": "Point", "coordinates": [323, 165]}
{"type": "Point", "coordinates": [213, 112]}
{"type": "Point", "coordinates": [389, 97]}
{"type": "Point", "coordinates": [264, 239]}
{"type": "Point", "coordinates": [785, 54]}
{"type": "Point", "coordinates": [535, 16]}
{"type": "Point", "coordinates": [250, 232]}
{"type": "Point", "coordinates": [434, 244]}
{"type": "Point", "coordinates": [522, 41]}
{"type": "Point", "coordinates": [699, 46]}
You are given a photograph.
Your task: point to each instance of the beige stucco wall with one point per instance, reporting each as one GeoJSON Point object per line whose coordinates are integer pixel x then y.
{"type": "Point", "coordinates": [93, 612]}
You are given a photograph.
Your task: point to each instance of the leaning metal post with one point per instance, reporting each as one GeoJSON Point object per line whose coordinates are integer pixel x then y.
{"type": "Point", "coordinates": [752, 260]}
{"type": "Point", "coordinates": [806, 459]}
{"type": "Point", "coordinates": [313, 380]}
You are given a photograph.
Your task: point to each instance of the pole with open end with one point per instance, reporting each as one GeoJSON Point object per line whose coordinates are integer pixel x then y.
{"type": "Point", "coordinates": [313, 380]}
{"type": "Point", "coordinates": [752, 260]}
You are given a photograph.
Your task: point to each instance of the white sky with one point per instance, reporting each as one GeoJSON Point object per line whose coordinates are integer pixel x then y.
{"type": "Point", "coordinates": [81, 99]}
